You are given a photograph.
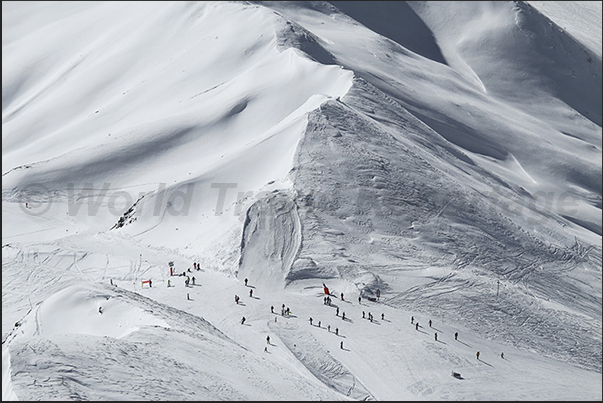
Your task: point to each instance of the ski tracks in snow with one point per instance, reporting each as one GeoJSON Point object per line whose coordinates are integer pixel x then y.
{"type": "Point", "coordinates": [319, 361]}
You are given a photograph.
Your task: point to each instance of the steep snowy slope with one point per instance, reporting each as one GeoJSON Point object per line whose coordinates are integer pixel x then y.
{"type": "Point", "coordinates": [446, 155]}
{"type": "Point", "coordinates": [477, 190]}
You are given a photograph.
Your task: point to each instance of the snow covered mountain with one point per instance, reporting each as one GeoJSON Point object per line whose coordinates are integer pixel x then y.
{"type": "Point", "coordinates": [433, 160]}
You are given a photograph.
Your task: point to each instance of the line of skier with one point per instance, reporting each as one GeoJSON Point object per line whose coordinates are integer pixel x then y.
{"type": "Point", "coordinates": [285, 311]}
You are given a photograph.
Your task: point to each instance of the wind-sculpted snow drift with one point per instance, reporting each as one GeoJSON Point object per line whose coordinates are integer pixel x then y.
{"type": "Point", "coordinates": [271, 240]}
{"type": "Point", "coordinates": [446, 155]}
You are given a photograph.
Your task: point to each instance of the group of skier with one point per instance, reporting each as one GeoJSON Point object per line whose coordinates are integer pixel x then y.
{"type": "Point", "coordinates": [285, 311]}
{"type": "Point", "coordinates": [370, 316]}
{"type": "Point", "coordinates": [456, 335]}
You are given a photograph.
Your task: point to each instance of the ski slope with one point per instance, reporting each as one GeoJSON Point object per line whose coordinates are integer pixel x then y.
{"type": "Point", "coordinates": [446, 155]}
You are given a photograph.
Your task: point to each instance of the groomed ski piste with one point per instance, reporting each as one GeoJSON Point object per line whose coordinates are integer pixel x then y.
{"type": "Point", "coordinates": [445, 156]}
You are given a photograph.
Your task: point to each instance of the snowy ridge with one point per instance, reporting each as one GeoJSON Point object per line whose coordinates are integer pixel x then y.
{"type": "Point", "coordinates": [433, 160]}
{"type": "Point", "coordinates": [387, 201]}
{"type": "Point", "coordinates": [141, 348]}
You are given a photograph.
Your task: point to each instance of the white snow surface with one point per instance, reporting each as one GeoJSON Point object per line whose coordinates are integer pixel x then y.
{"type": "Point", "coordinates": [433, 160]}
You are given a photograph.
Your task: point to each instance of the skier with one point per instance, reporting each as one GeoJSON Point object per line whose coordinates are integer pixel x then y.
{"type": "Point", "coordinates": [412, 319]}
{"type": "Point", "coordinates": [359, 299]}
{"type": "Point", "coordinates": [436, 336]}
{"type": "Point", "coordinates": [502, 355]}
{"type": "Point", "coordinates": [193, 280]}
{"type": "Point", "coordinates": [250, 292]}
{"type": "Point", "coordinates": [100, 310]}
{"type": "Point", "coordinates": [187, 296]}
{"type": "Point", "coordinates": [245, 281]}
{"type": "Point", "coordinates": [382, 316]}
{"type": "Point", "coordinates": [362, 314]}
{"type": "Point", "coordinates": [337, 331]}
{"type": "Point", "coordinates": [343, 316]}
{"type": "Point", "coordinates": [329, 328]}
{"type": "Point", "coordinates": [341, 345]}
{"type": "Point", "coordinates": [169, 284]}
{"type": "Point", "coordinates": [272, 309]}
{"type": "Point", "coordinates": [267, 339]}
{"type": "Point", "coordinates": [310, 320]}
{"type": "Point", "coordinates": [417, 326]}
{"type": "Point", "coordinates": [456, 335]}
{"type": "Point", "coordinates": [242, 320]}
{"type": "Point", "coordinates": [150, 283]}
{"type": "Point", "coordinates": [186, 282]}
{"type": "Point", "coordinates": [237, 299]}
{"type": "Point", "coordinates": [342, 296]}
{"type": "Point", "coordinates": [477, 355]}
{"type": "Point", "coordinates": [429, 322]}
{"type": "Point", "coordinates": [318, 323]}
{"type": "Point", "coordinates": [195, 265]}
{"type": "Point", "coordinates": [337, 312]}
{"type": "Point", "coordinates": [111, 281]}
